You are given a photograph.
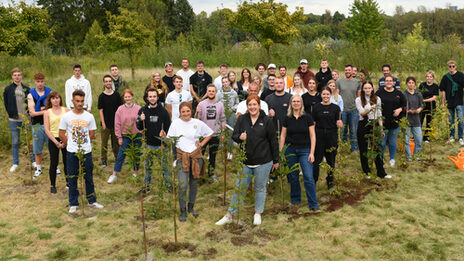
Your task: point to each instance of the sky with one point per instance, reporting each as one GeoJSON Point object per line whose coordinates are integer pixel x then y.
{"type": "Point", "coordinates": [317, 6]}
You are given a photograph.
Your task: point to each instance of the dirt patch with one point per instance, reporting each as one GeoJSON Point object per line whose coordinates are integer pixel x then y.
{"type": "Point", "coordinates": [265, 235]}
{"type": "Point", "coordinates": [286, 209]}
{"type": "Point", "coordinates": [212, 235]}
{"type": "Point", "coordinates": [235, 228]}
{"type": "Point", "coordinates": [242, 240]}
{"type": "Point", "coordinates": [210, 253]}
{"type": "Point", "coordinates": [297, 215]}
{"type": "Point", "coordinates": [172, 247]}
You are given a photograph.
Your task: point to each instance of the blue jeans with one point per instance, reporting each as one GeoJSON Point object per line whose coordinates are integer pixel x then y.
{"type": "Point", "coordinates": [261, 174]}
{"type": "Point", "coordinates": [459, 110]}
{"type": "Point", "coordinates": [15, 129]}
{"type": "Point", "coordinates": [39, 138]}
{"type": "Point", "coordinates": [149, 166]}
{"type": "Point", "coordinates": [350, 121]}
{"type": "Point", "coordinates": [295, 156]}
{"type": "Point", "coordinates": [417, 134]}
{"type": "Point", "coordinates": [73, 173]}
{"type": "Point", "coordinates": [127, 142]}
{"type": "Point", "coordinates": [391, 136]}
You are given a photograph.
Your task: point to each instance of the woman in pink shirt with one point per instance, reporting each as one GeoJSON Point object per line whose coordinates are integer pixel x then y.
{"type": "Point", "coordinates": [128, 134]}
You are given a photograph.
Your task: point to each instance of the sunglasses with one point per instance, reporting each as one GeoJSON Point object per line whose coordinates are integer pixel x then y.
{"type": "Point", "coordinates": [451, 66]}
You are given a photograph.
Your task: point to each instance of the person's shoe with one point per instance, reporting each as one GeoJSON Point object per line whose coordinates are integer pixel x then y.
{"type": "Point", "coordinates": [461, 141]}
{"type": "Point", "coordinates": [451, 140]}
{"type": "Point", "coordinates": [58, 171]}
{"type": "Point", "coordinates": [143, 191]}
{"type": "Point", "coordinates": [257, 219]}
{"type": "Point", "coordinates": [134, 175]}
{"type": "Point", "coordinates": [95, 205]}
{"type": "Point", "coordinates": [183, 215]}
{"type": "Point", "coordinates": [229, 156]}
{"type": "Point", "coordinates": [73, 209]}
{"type": "Point", "coordinates": [426, 141]}
{"type": "Point", "coordinates": [112, 179]}
{"type": "Point", "coordinates": [103, 164]}
{"type": "Point", "coordinates": [191, 211]}
{"type": "Point", "coordinates": [392, 163]}
{"type": "Point", "coordinates": [225, 220]}
{"type": "Point", "coordinates": [53, 190]}
{"type": "Point", "coordinates": [214, 178]}
{"type": "Point", "coordinates": [417, 159]}
{"type": "Point", "coordinates": [37, 173]}
{"type": "Point", "coordinates": [34, 165]}
{"type": "Point", "coordinates": [408, 160]}
{"type": "Point", "coordinates": [330, 186]}
{"type": "Point", "coordinates": [315, 210]}
{"type": "Point", "coordinates": [387, 176]}
{"type": "Point", "coordinates": [13, 168]}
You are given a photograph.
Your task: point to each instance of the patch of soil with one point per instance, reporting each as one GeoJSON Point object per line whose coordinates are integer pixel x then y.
{"type": "Point", "coordinates": [172, 247]}
{"type": "Point", "coordinates": [235, 228]}
{"type": "Point", "coordinates": [242, 240]}
{"type": "Point", "coordinates": [212, 235]}
{"type": "Point", "coordinates": [297, 215]}
{"type": "Point", "coordinates": [265, 235]}
{"type": "Point", "coordinates": [210, 253]}
{"type": "Point", "coordinates": [288, 209]}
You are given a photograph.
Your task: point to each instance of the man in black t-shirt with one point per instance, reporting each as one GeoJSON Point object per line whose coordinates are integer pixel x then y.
{"type": "Point", "coordinates": [168, 78]}
{"type": "Point", "coordinates": [108, 103]}
{"type": "Point", "coordinates": [271, 87]}
{"type": "Point", "coordinates": [278, 103]}
{"type": "Point", "coordinates": [199, 83]}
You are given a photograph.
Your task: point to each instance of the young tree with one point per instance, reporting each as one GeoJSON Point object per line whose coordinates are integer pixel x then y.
{"type": "Point", "coordinates": [267, 22]}
{"type": "Point", "coordinates": [93, 39]}
{"type": "Point", "coordinates": [366, 22]}
{"type": "Point", "coordinates": [183, 17]}
{"type": "Point", "coordinates": [127, 32]}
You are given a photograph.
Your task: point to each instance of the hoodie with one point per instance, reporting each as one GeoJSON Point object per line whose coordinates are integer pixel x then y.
{"type": "Point", "coordinates": [305, 76]}
{"type": "Point", "coordinates": [322, 78]}
{"type": "Point", "coordinates": [83, 84]}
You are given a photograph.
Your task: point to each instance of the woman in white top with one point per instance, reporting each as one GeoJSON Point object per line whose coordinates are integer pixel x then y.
{"type": "Point", "coordinates": [54, 110]}
{"type": "Point", "coordinates": [298, 86]}
{"type": "Point", "coordinates": [335, 98]}
{"type": "Point", "coordinates": [189, 157]}
{"type": "Point", "coordinates": [370, 112]}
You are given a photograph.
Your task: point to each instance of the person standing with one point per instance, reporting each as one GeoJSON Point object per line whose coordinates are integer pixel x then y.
{"type": "Point", "coordinates": [108, 103]}
{"type": "Point", "coordinates": [78, 82]}
{"type": "Point", "coordinates": [257, 131]}
{"type": "Point", "coordinates": [198, 83]}
{"type": "Point", "coordinates": [278, 103]}
{"type": "Point", "coordinates": [128, 135]}
{"type": "Point", "coordinates": [370, 112]}
{"type": "Point", "coordinates": [299, 135]}
{"type": "Point", "coordinates": [335, 75]}
{"type": "Point", "coordinates": [160, 86]}
{"type": "Point", "coordinates": [415, 104]}
{"type": "Point", "coordinates": [211, 112]}
{"type": "Point", "coordinates": [326, 116]}
{"type": "Point", "coordinates": [335, 98]}
{"type": "Point", "coordinates": [222, 73]}
{"type": "Point", "coordinates": [304, 72]}
{"type": "Point", "coordinates": [451, 86]}
{"type": "Point", "coordinates": [271, 69]}
{"type": "Point", "coordinates": [119, 84]}
{"type": "Point", "coordinates": [298, 86]}
{"type": "Point", "coordinates": [185, 73]}
{"type": "Point", "coordinates": [176, 97]}
{"type": "Point", "coordinates": [36, 101]}
{"type": "Point", "coordinates": [430, 92]}
{"type": "Point", "coordinates": [14, 99]}
{"type": "Point", "coordinates": [324, 75]}
{"type": "Point", "coordinates": [245, 80]}
{"type": "Point", "coordinates": [349, 88]}
{"type": "Point", "coordinates": [169, 77]}
{"type": "Point", "coordinates": [229, 99]}
{"type": "Point", "coordinates": [288, 81]}
{"type": "Point", "coordinates": [311, 97]}
{"type": "Point", "coordinates": [386, 70]}
{"type": "Point", "coordinates": [189, 157]}
{"type": "Point", "coordinates": [54, 111]}
{"type": "Point", "coordinates": [77, 129]}
{"type": "Point", "coordinates": [270, 87]}
{"type": "Point", "coordinates": [155, 120]}
{"type": "Point", "coordinates": [261, 69]}
{"type": "Point", "coordinates": [242, 106]}
{"type": "Point", "coordinates": [393, 102]}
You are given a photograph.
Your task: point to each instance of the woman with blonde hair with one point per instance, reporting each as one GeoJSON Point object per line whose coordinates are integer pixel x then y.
{"type": "Point", "coordinates": [298, 86]}
{"type": "Point", "coordinates": [257, 79]}
{"type": "Point", "coordinates": [161, 87]}
{"type": "Point", "coordinates": [335, 98]}
{"type": "Point", "coordinates": [430, 92]}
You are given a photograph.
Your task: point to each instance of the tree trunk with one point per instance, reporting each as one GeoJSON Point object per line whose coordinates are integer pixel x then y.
{"type": "Point", "coordinates": [132, 61]}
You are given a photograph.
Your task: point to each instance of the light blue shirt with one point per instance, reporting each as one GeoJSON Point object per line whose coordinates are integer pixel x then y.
{"type": "Point", "coordinates": [339, 103]}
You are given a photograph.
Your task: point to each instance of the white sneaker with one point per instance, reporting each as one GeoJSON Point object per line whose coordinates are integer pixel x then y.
{"type": "Point", "coordinates": [13, 168]}
{"type": "Point", "coordinates": [461, 141]}
{"type": "Point", "coordinates": [257, 219]}
{"type": "Point", "coordinates": [73, 209]}
{"type": "Point", "coordinates": [229, 156]}
{"type": "Point", "coordinates": [134, 175]}
{"type": "Point", "coordinates": [58, 171]}
{"type": "Point", "coordinates": [451, 140]}
{"type": "Point", "coordinates": [37, 173]}
{"type": "Point", "coordinates": [426, 141]}
{"type": "Point", "coordinates": [95, 205]}
{"type": "Point", "coordinates": [34, 164]}
{"type": "Point", "coordinates": [392, 163]}
{"type": "Point", "coordinates": [112, 178]}
{"type": "Point", "coordinates": [387, 177]}
{"type": "Point", "coordinates": [225, 220]}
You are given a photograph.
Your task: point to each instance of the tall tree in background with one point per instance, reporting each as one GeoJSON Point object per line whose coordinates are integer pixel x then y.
{"type": "Point", "coordinates": [127, 32]}
{"type": "Point", "coordinates": [183, 17]}
{"type": "Point", "coordinates": [267, 22]}
{"type": "Point", "coordinates": [93, 39]}
{"type": "Point", "coordinates": [366, 22]}
{"type": "Point", "coordinates": [20, 26]}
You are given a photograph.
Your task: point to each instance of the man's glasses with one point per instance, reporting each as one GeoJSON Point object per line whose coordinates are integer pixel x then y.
{"type": "Point", "coordinates": [451, 66]}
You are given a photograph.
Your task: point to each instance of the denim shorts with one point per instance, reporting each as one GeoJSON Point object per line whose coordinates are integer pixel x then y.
{"type": "Point", "coordinates": [39, 138]}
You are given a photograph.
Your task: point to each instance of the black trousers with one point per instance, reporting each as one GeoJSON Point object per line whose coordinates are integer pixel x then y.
{"type": "Point", "coordinates": [213, 145]}
{"type": "Point", "coordinates": [364, 129]}
{"type": "Point", "coordinates": [326, 146]}
{"type": "Point", "coordinates": [427, 115]}
{"type": "Point", "coordinates": [54, 159]}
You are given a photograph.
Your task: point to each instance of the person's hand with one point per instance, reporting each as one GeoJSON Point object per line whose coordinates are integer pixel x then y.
{"type": "Point", "coordinates": [222, 138]}
{"type": "Point", "coordinates": [243, 136]}
{"type": "Point", "coordinates": [311, 158]}
{"type": "Point", "coordinates": [198, 109]}
{"type": "Point", "coordinates": [162, 134]}
{"type": "Point", "coordinates": [339, 124]}
{"type": "Point", "coordinates": [382, 134]}
{"type": "Point", "coordinates": [275, 166]}
{"type": "Point", "coordinates": [271, 113]}
{"type": "Point", "coordinates": [396, 112]}
{"type": "Point", "coordinates": [120, 142]}
{"type": "Point", "coordinates": [103, 126]}
{"type": "Point", "coordinates": [198, 144]}
{"type": "Point", "coordinates": [142, 116]}
{"type": "Point", "coordinates": [442, 106]}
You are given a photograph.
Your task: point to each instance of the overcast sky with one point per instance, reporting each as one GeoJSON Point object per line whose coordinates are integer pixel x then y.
{"type": "Point", "coordinates": [317, 6]}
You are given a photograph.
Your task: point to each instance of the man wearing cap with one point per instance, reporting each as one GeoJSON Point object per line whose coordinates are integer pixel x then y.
{"type": "Point", "coordinates": [304, 72]}
{"type": "Point", "coordinates": [271, 69]}
{"type": "Point", "coordinates": [167, 79]}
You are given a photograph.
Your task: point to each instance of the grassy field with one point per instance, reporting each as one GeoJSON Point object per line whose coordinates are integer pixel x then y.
{"type": "Point", "coordinates": [417, 215]}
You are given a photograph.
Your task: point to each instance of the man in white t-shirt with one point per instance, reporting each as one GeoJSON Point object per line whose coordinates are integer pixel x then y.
{"type": "Point", "coordinates": [176, 97]}
{"type": "Point", "coordinates": [77, 129]}
{"type": "Point", "coordinates": [242, 107]}
{"type": "Point", "coordinates": [185, 73]}
{"type": "Point", "coordinates": [223, 73]}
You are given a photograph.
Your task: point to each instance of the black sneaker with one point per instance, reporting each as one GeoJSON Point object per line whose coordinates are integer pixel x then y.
{"type": "Point", "coordinates": [53, 190]}
{"type": "Point", "coordinates": [103, 165]}
{"type": "Point", "coordinates": [315, 210]}
{"type": "Point", "coordinates": [143, 191]}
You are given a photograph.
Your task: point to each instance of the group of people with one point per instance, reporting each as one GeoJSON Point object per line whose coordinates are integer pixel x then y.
{"type": "Point", "coordinates": [267, 112]}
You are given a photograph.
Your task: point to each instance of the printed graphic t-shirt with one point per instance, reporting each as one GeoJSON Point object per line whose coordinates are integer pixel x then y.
{"type": "Point", "coordinates": [77, 127]}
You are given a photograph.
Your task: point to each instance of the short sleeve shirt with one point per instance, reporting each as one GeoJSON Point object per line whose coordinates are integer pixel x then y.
{"type": "Point", "coordinates": [78, 127]}
{"type": "Point", "coordinates": [190, 132]}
